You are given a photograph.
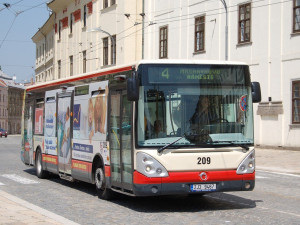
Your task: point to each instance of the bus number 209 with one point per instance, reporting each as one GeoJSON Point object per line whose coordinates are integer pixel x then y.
{"type": "Point", "coordinates": [203, 160]}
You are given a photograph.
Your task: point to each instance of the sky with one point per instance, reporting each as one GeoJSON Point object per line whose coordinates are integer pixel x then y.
{"type": "Point", "coordinates": [18, 24]}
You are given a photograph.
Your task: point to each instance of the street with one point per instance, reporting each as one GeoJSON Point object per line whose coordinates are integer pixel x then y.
{"type": "Point", "coordinates": [275, 199]}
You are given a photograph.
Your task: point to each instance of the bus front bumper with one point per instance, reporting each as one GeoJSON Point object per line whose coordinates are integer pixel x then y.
{"type": "Point", "coordinates": [182, 183]}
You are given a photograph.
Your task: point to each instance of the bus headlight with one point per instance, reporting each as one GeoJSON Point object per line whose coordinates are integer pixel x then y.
{"type": "Point", "coordinates": [149, 166]}
{"type": "Point", "coordinates": [248, 164]}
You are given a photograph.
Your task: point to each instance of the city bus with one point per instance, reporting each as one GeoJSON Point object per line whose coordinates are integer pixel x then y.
{"type": "Point", "coordinates": [136, 129]}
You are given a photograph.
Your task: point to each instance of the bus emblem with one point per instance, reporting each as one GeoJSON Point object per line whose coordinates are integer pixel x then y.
{"type": "Point", "coordinates": [203, 176]}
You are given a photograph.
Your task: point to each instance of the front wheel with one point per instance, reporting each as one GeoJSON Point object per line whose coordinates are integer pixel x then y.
{"type": "Point", "coordinates": [40, 172]}
{"type": "Point", "coordinates": [102, 191]}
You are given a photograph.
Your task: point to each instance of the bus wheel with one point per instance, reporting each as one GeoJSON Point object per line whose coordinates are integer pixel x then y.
{"type": "Point", "coordinates": [102, 191]}
{"type": "Point", "coordinates": [40, 172]}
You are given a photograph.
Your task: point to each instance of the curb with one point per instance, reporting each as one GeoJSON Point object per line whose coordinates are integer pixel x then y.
{"type": "Point", "coordinates": [37, 209]}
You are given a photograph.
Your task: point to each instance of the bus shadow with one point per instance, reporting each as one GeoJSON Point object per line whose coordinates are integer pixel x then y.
{"type": "Point", "coordinates": [193, 203]}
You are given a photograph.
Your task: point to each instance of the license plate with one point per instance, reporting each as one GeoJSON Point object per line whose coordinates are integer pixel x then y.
{"type": "Point", "coordinates": [203, 187]}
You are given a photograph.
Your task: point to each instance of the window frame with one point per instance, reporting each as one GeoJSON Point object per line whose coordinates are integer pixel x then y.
{"type": "Point", "coordinates": [105, 51]}
{"type": "Point", "coordinates": [71, 23]}
{"type": "Point", "coordinates": [294, 16]}
{"type": "Point", "coordinates": [294, 83]}
{"type": "Point", "coordinates": [71, 65]}
{"type": "Point", "coordinates": [163, 42]}
{"type": "Point", "coordinates": [58, 69]}
{"type": "Point", "coordinates": [59, 30]}
{"type": "Point", "coordinates": [105, 4]}
{"type": "Point", "coordinates": [198, 23]}
{"type": "Point", "coordinates": [245, 21]}
{"type": "Point", "coordinates": [84, 61]}
{"type": "Point", "coordinates": [84, 15]}
{"type": "Point", "coordinates": [113, 54]}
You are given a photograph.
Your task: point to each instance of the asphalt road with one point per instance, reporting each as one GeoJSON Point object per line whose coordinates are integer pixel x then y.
{"type": "Point", "coordinates": [275, 199]}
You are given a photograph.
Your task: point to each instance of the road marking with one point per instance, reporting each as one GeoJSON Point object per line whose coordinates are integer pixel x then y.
{"type": "Point", "coordinates": [278, 173]}
{"type": "Point", "coordinates": [19, 179]}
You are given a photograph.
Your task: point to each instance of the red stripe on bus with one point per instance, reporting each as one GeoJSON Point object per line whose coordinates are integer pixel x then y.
{"type": "Point", "coordinates": [139, 178]}
{"type": "Point", "coordinates": [80, 165]}
{"type": "Point", "coordinates": [107, 171]}
{"type": "Point", "coordinates": [52, 159]}
{"type": "Point", "coordinates": [187, 177]}
{"type": "Point", "coordinates": [81, 78]}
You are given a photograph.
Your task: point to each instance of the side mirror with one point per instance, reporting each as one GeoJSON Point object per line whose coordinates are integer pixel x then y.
{"type": "Point", "coordinates": [133, 87]}
{"type": "Point", "coordinates": [256, 93]}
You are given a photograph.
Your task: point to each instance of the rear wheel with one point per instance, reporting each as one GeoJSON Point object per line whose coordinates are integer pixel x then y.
{"type": "Point", "coordinates": [40, 172]}
{"type": "Point", "coordinates": [100, 181]}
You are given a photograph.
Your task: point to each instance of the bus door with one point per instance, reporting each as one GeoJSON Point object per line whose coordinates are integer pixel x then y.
{"type": "Point", "coordinates": [64, 131]}
{"type": "Point", "coordinates": [28, 132]}
{"type": "Point", "coordinates": [120, 139]}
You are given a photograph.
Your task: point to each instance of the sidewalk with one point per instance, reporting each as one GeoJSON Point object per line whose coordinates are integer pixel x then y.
{"type": "Point", "coordinates": [275, 160]}
{"type": "Point", "coordinates": [17, 211]}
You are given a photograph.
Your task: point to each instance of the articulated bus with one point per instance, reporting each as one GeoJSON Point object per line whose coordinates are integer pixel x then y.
{"type": "Point", "coordinates": [157, 127]}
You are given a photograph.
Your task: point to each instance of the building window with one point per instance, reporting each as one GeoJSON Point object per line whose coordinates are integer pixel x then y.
{"type": "Point", "coordinates": [58, 69]}
{"type": "Point", "coordinates": [113, 50]}
{"type": "Point", "coordinates": [296, 102]}
{"type": "Point", "coordinates": [163, 42]}
{"type": "Point", "coordinates": [71, 23]}
{"type": "Point", "coordinates": [71, 65]}
{"type": "Point", "coordinates": [59, 30]}
{"type": "Point", "coordinates": [199, 33]}
{"type": "Point", "coordinates": [105, 4]}
{"type": "Point", "coordinates": [84, 16]}
{"type": "Point", "coordinates": [244, 23]}
{"type": "Point", "coordinates": [296, 13]}
{"type": "Point", "coordinates": [112, 2]}
{"type": "Point", "coordinates": [84, 61]}
{"type": "Point", "coordinates": [105, 51]}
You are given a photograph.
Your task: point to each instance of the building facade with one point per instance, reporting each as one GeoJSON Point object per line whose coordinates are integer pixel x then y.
{"type": "Point", "coordinates": [11, 96]}
{"type": "Point", "coordinates": [78, 48]}
{"type": "Point", "coordinates": [3, 102]}
{"type": "Point", "coordinates": [264, 34]}
{"type": "Point", "coordinates": [15, 101]}
{"type": "Point", "coordinates": [44, 41]}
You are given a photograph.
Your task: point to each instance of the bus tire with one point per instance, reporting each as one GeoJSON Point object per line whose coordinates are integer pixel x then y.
{"type": "Point", "coordinates": [100, 182]}
{"type": "Point", "coordinates": [40, 172]}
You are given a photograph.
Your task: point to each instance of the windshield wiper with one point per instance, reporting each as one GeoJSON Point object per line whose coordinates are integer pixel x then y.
{"type": "Point", "coordinates": [244, 146]}
{"type": "Point", "coordinates": [168, 145]}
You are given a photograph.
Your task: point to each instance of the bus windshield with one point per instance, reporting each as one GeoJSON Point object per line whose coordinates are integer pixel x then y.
{"type": "Point", "coordinates": [207, 105]}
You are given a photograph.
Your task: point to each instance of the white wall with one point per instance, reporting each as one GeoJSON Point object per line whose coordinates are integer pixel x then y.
{"type": "Point", "coordinates": [273, 53]}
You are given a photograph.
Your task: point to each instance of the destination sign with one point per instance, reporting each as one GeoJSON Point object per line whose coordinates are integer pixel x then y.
{"type": "Point", "coordinates": [198, 73]}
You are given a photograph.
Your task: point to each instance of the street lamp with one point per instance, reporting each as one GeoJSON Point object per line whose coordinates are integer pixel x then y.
{"type": "Point", "coordinates": [98, 29]}
{"type": "Point", "coordinates": [226, 30]}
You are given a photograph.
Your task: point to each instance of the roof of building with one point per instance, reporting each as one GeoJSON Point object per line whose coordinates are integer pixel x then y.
{"type": "Point", "coordinates": [2, 83]}
{"type": "Point", "coordinates": [4, 76]}
{"type": "Point", "coordinates": [7, 81]}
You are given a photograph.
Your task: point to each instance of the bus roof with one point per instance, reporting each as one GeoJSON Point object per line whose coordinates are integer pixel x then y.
{"type": "Point", "coordinates": [186, 61]}
{"type": "Point", "coordinates": [97, 73]}
{"type": "Point", "coordinates": [123, 68]}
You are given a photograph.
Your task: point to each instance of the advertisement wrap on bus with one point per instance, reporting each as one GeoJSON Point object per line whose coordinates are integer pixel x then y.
{"type": "Point", "coordinates": [157, 127]}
